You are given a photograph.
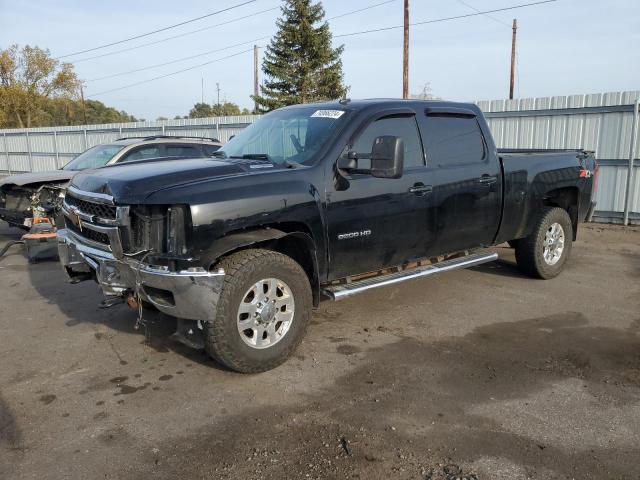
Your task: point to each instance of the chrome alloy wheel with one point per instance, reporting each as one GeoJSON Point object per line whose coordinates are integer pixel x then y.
{"type": "Point", "coordinates": [553, 244]}
{"type": "Point", "coordinates": [265, 313]}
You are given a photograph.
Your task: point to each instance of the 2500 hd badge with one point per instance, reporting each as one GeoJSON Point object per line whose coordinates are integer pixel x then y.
{"type": "Point", "coordinates": [362, 233]}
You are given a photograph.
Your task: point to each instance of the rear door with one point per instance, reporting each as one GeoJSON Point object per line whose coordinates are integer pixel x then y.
{"type": "Point", "coordinates": [380, 222]}
{"type": "Point", "coordinates": [466, 179]}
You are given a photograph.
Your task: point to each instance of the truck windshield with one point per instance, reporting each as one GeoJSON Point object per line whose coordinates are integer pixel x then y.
{"type": "Point", "coordinates": [288, 136]}
{"type": "Point", "coordinates": [95, 157]}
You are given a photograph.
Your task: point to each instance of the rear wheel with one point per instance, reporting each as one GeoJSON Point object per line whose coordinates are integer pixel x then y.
{"type": "Point", "coordinates": [544, 253]}
{"type": "Point", "coordinates": [263, 311]}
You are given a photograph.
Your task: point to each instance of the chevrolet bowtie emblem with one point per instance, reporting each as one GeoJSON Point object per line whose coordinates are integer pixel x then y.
{"type": "Point", "coordinates": [75, 218]}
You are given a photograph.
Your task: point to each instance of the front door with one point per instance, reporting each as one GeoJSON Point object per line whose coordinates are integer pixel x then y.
{"type": "Point", "coordinates": [379, 222]}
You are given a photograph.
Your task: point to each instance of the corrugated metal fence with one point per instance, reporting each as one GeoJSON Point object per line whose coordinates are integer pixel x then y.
{"type": "Point", "coordinates": [49, 148]}
{"type": "Point", "coordinates": [600, 122]}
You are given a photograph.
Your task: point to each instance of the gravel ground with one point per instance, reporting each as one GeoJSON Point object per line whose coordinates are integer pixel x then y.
{"type": "Point", "coordinates": [481, 373]}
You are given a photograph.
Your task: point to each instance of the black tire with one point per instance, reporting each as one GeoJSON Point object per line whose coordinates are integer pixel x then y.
{"type": "Point", "coordinates": [513, 243]}
{"type": "Point", "coordinates": [529, 250]}
{"type": "Point", "coordinates": [242, 270]}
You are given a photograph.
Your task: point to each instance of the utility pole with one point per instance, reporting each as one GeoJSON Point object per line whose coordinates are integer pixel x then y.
{"type": "Point", "coordinates": [218, 90]}
{"type": "Point", "coordinates": [84, 109]}
{"type": "Point", "coordinates": [405, 58]}
{"type": "Point", "coordinates": [255, 78]}
{"type": "Point", "coordinates": [513, 59]}
{"type": "Point", "coordinates": [202, 90]}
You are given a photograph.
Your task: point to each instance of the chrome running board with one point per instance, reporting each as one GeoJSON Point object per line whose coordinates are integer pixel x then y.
{"type": "Point", "coordinates": [338, 292]}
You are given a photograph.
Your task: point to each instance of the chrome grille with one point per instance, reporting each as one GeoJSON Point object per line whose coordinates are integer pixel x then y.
{"type": "Point", "coordinates": [95, 217]}
{"type": "Point", "coordinates": [90, 208]}
{"type": "Point", "coordinates": [87, 233]}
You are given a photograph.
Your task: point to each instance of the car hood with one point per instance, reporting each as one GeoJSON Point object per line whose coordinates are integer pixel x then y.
{"type": "Point", "coordinates": [35, 178]}
{"type": "Point", "coordinates": [130, 184]}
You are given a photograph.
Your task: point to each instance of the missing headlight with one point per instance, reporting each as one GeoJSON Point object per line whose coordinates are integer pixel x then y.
{"type": "Point", "coordinates": [176, 242]}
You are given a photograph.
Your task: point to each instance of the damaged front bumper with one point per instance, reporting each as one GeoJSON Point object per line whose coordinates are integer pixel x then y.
{"type": "Point", "coordinates": [189, 294]}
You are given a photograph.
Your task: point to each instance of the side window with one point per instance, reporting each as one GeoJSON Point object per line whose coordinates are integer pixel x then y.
{"type": "Point", "coordinates": [452, 140]}
{"type": "Point", "coordinates": [210, 149]}
{"type": "Point", "coordinates": [142, 153]}
{"type": "Point", "coordinates": [182, 151]}
{"type": "Point", "coordinates": [399, 126]}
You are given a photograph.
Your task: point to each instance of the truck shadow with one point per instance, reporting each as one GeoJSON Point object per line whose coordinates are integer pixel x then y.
{"type": "Point", "coordinates": [504, 266]}
{"type": "Point", "coordinates": [500, 267]}
{"type": "Point", "coordinates": [80, 304]}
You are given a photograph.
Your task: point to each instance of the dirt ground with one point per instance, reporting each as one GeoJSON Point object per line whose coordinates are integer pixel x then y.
{"type": "Point", "coordinates": [480, 373]}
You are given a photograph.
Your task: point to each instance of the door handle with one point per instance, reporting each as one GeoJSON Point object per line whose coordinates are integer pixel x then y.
{"type": "Point", "coordinates": [487, 180]}
{"type": "Point", "coordinates": [420, 189]}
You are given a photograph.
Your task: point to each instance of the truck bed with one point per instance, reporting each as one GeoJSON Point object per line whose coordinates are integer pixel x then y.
{"type": "Point", "coordinates": [529, 172]}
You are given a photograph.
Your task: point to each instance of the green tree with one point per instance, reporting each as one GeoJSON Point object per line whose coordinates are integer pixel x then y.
{"type": "Point", "coordinates": [61, 111]}
{"type": "Point", "coordinates": [29, 77]}
{"type": "Point", "coordinates": [300, 63]}
{"type": "Point", "coordinates": [224, 109]}
{"type": "Point", "coordinates": [201, 110]}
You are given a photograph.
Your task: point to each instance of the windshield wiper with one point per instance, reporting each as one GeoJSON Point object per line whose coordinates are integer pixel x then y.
{"type": "Point", "coordinates": [219, 154]}
{"type": "Point", "coordinates": [254, 156]}
{"type": "Point", "coordinates": [266, 157]}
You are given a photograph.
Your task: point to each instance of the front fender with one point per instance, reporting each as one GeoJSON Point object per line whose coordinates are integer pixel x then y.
{"type": "Point", "coordinates": [273, 238]}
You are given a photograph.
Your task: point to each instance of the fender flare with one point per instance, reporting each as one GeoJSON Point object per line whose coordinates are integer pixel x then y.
{"type": "Point", "coordinates": [244, 239]}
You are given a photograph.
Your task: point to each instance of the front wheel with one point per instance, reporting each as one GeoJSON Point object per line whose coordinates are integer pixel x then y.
{"type": "Point", "coordinates": [544, 253]}
{"type": "Point", "coordinates": [262, 313]}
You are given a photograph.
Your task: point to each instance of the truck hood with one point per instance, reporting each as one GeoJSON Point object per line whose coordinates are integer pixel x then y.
{"type": "Point", "coordinates": [23, 179]}
{"type": "Point", "coordinates": [134, 183]}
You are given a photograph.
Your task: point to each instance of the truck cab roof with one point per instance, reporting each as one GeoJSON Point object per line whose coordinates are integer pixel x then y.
{"type": "Point", "coordinates": [382, 103]}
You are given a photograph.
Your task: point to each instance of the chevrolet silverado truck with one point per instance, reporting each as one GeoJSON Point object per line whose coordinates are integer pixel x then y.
{"type": "Point", "coordinates": [26, 196]}
{"type": "Point", "coordinates": [312, 202]}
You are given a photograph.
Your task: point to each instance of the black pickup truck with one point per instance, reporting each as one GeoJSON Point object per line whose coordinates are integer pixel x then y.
{"type": "Point", "coordinates": [312, 202]}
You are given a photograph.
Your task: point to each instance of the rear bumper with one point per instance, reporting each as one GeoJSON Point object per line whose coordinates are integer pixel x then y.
{"type": "Point", "coordinates": [189, 294]}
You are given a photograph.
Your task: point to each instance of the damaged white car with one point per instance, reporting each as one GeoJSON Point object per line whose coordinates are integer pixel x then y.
{"type": "Point", "coordinates": [27, 196]}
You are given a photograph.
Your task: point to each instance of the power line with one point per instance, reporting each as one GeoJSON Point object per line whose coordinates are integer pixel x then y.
{"type": "Point", "coordinates": [159, 29]}
{"type": "Point", "coordinates": [361, 9]}
{"type": "Point", "coordinates": [182, 59]}
{"type": "Point", "coordinates": [437, 20]}
{"type": "Point", "coordinates": [177, 60]}
{"type": "Point", "coordinates": [162, 40]}
{"type": "Point", "coordinates": [342, 35]}
{"type": "Point", "coordinates": [486, 15]}
{"type": "Point", "coordinates": [233, 20]}
{"type": "Point", "coordinates": [169, 74]}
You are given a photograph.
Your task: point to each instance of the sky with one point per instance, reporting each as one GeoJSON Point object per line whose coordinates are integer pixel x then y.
{"type": "Point", "coordinates": [565, 47]}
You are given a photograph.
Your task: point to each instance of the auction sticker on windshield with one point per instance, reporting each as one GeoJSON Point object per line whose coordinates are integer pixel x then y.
{"type": "Point", "coordinates": [328, 113]}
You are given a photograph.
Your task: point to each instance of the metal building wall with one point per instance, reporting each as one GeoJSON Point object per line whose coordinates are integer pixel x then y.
{"type": "Point", "coordinates": [601, 122]}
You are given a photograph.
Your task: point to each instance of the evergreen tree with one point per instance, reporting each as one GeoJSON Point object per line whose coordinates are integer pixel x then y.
{"type": "Point", "coordinates": [300, 64]}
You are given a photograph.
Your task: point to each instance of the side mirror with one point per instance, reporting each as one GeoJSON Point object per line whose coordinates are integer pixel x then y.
{"type": "Point", "coordinates": [387, 157]}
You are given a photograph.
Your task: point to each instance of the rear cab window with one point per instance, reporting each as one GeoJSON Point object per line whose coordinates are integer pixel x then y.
{"type": "Point", "coordinates": [452, 140]}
